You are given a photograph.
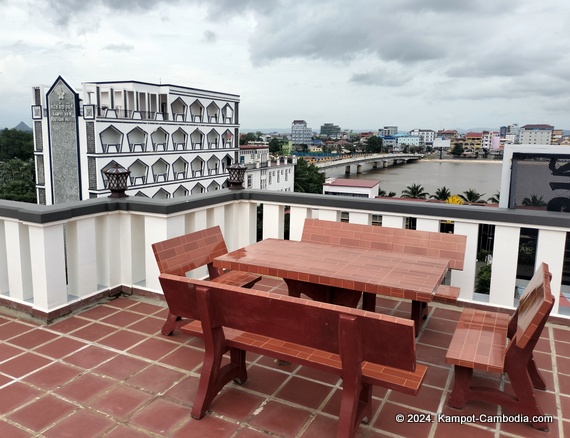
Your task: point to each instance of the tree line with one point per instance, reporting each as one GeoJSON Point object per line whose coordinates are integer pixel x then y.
{"type": "Point", "coordinates": [17, 170]}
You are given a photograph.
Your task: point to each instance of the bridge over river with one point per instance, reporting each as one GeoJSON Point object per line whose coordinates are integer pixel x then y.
{"type": "Point", "coordinates": [377, 160]}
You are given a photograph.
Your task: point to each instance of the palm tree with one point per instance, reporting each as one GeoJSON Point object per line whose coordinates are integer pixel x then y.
{"type": "Point", "coordinates": [495, 198]}
{"type": "Point", "coordinates": [441, 194]}
{"type": "Point", "coordinates": [472, 195]}
{"type": "Point", "coordinates": [534, 201]}
{"type": "Point", "coordinates": [415, 191]}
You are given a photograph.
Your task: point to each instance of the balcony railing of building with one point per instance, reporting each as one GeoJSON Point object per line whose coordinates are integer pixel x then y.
{"type": "Point", "coordinates": [119, 113]}
{"type": "Point", "coordinates": [53, 258]}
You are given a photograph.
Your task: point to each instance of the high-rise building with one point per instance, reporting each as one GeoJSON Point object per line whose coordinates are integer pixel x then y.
{"type": "Point", "coordinates": [388, 130]}
{"type": "Point", "coordinates": [301, 133]}
{"type": "Point", "coordinates": [427, 136]}
{"type": "Point", "coordinates": [330, 130]}
{"type": "Point", "coordinates": [174, 140]}
{"type": "Point", "coordinates": [536, 134]}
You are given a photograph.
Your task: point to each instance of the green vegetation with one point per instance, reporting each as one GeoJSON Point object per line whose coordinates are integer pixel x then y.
{"type": "Point", "coordinates": [534, 201]}
{"type": "Point", "coordinates": [483, 280]}
{"type": "Point", "coordinates": [495, 198]}
{"type": "Point", "coordinates": [374, 144]}
{"type": "Point", "coordinates": [275, 146]}
{"type": "Point", "coordinates": [415, 191]}
{"type": "Point", "coordinates": [457, 150]}
{"type": "Point", "coordinates": [17, 171]}
{"type": "Point", "coordinates": [308, 178]}
{"type": "Point", "coordinates": [441, 194]}
{"type": "Point", "coordinates": [472, 195]}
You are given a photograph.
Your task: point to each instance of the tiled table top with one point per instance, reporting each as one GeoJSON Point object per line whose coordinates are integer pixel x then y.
{"type": "Point", "coordinates": [384, 273]}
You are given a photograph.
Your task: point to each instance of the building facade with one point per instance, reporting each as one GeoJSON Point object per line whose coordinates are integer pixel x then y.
{"type": "Point", "coordinates": [174, 140]}
{"type": "Point", "coordinates": [358, 188]}
{"type": "Point", "coordinates": [536, 134]}
{"type": "Point", "coordinates": [427, 136]}
{"type": "Point", "coordinates": [301, 133]}
{"type": "Point", "coordinates": [266, 173]}
{"type": "Point", "coordinates": [330, 130]}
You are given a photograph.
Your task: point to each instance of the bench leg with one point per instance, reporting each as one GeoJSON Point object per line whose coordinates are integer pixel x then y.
{"type": "Point", "coordinates": [170, 324]}
{"type": "Point", "coordinates": [537, 380]}
{"type": "Point", "coordinates": [419, 313]}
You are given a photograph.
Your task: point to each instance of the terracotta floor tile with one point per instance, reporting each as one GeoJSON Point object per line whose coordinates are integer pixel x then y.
{"type": "Point", "coordinates": [564, 382]}
{"type": "Point", "coordinates": [470, 408]}
{"type": "Point", "coordinates": [561, 334]}
{"type": "Point", "coordinates": [4, 380]}
{"type": "Point", "coordinates": [155, 379]}
{"type": "Point", "coordinates": [94, 332]}
{"type": "Point", "coordinates": [386, 421]}
{"type": "Point", "coordinates": [121, 367]}
{"type": "Point", "coordinates": [428, 399]}
{"type": "Point", "coordinates": [543, 360]}
{"type": "Point", "coordinates": [562, 348]}
{"type": "Point", "coordinates": [78, 423]}
{"type": "Point", "coordinates": [23, 364]}
{"type": "Point", "coordinates": [90, 357]}
{"type": "Point", "coordinates": [184, 358]}
{"type": "Point", "coordinates": [436, 376]}
{"type": "Point", "coordinates": [8, 430]}
{"type": "Point", "coordinates": [248, 432]}
{"type": "Point", "coordinates": [53, 376]}
{"type": "Point", "coordinates": [207, 427]}
{"type": "Point", "coordinates": [33, 338]}
{"type": "Point", "coordinates": [264, 380]}
{"type": "Point", "coordinates": [271, 362]}
{"type": "Point", "coordinates": [184, 391]}
{"type": "Point", "coordinates": [160, 416]}
{"type": "Point", "coordinates": [235, 404]}
{"type": "Point", "coordinates": [437, 339]}
{"type": "Point", "coordinates": [431, 355]}
{"type": "Point", "coordinates": [15, 395]}
{"type": "Point", "coordinates": [321, 376]}
{"type": "Point", "coordinates": [121, 303]}
{"type": "Point", "coordinates": [121, 401]}
{"type": "Point", "coordinates": [13, 329]}
{"type": "Point", "coordinates": [60, 347]}
{"type": "Point", "coordinates": [441, 325]}
{"type": "Point", "coordinates": [9, 351]}
{"type": "Point", "coordinates": [321, 427]}
{"type": "Point", "coordinates": [41, 413]}
{"type": "Point", "coordinates": [126, 432]}
{"type": "Point", "coordinates": [69, 325]}
{"type": "Point", "coordinates": [304, 392]}
{"type": "Point", "coordinates": [85, 387]}
{"type": "Point", "coordinates": [122, 319]}
{"type": "Point", "coordinates": [280, 419]}
{"type": "Point", "coordinates": [122, 340]}
{"type": "Point", "coordinates": [153, 348]}
{"type": "Point", "coordinates": [146, 308]}
{"type": "Point", "coordinates": [333, 405]}
{"type": "Point", "coordinates": [543, 345]}
{"type": "Point", "coordinates": [149, 326]}
{"type": "Point", "coordinates": [98, 312]}
{"type": "Point", "coordinates": [467, 430]}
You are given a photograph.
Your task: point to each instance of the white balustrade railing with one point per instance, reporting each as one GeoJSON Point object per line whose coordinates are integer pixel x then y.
{"type": "Point", "coordinates": [52, 256]}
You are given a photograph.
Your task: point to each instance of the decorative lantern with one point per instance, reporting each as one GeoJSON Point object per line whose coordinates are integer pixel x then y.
{"type": "Point", "coordinates": [237, 176]}
{"type": "Point", "coordinates": [117, 181]}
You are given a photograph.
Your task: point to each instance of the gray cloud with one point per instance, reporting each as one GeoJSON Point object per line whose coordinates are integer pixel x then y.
{"type": "Point", "coordinates": [383, 76]}
{"type": "Point", "coordinates": [209, 37]}
{"type": "Point", "coordinates": [119, 47]}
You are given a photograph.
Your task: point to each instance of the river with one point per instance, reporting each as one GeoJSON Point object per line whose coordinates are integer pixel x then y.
{"type": "Point", "coordinates": [458, 176]}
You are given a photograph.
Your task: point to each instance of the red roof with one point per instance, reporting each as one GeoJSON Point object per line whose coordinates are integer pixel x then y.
{"type": "Point", "coordinates": [344, 182]}
{"type": "Point", "coordinates": [474, 135]}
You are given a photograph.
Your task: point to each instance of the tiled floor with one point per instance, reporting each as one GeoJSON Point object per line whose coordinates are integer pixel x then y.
{"type": "Point", "coordinates": [107, 371]}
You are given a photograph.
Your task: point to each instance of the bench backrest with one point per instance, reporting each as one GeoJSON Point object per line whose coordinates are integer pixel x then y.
{"type": "Point", "coordinates": [534, 307]}
{"type": "Point", "coordinates": [185, 253]}
{"type": "Point", "coordinates": [428, 243]}
{"type": "Point", "coordinates": [381, 339]}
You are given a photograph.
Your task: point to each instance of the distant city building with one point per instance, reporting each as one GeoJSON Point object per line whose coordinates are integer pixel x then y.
{"type": "Point", "coordinates": [360, 188]}
{"type": "Point", "coordinates": [174, 140]}
{"type": "Point", "coordinates": [557, 135]}
{"type": "Point", "coordinates": [536, 134]}
{"type": "Point", "coordinates": [490, 140]}
{"type": "Point", "coordinates": [263, 172]}
{"type": "Point", "coordinates": [388, 130]}
{"type": "Point", "coordinates": [473, 140]}
{"type": "Point", "coordinates": [330, 130]}
{"type": "Point", "coordinates": [449, 134]}
{"type": "Point", "coordinates": [426, 136]}
{"type": "Point", "coordinates": [301, 133]}
{"type": "Point", "coordinates": [403, 140]}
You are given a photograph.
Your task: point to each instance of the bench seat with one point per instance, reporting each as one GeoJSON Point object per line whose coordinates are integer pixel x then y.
{"type": "Point", "coordinates": [407, 382]}
{"type": "Point", "coordinates": [237, 278]}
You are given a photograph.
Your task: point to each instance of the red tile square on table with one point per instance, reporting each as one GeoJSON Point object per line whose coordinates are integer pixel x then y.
{"type": "Point", "coordinates": [41, 413]}
{"type": "Point", "coordinates": [155, 378]}
{"type": "Point", "coordinates": [23, 364]}
{"type": "Point", "coordinates": [121, 367]}
{"type": "Point", "coordinates": [15, 395]}
{"type": "Point", "coordinates": [60, 347]}
{"type": "Point", "coordinates": [280, 419]}
{"type": "Point", "coordinates": [121, 401]}
{"type": "Point", "coordinates": [79, 423]}
{"type": "Point", "coordinates": [53, 376]}
{"type": "Point", "coordinates": [85, 387]}
{"type": "Point", "coordinates": [160, 417]}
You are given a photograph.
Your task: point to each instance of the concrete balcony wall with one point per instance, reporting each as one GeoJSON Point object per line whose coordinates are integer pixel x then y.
{"type": "Point", "coordinates": [53, 257]}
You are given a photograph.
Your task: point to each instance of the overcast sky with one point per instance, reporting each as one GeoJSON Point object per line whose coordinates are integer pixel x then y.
{"type": "Point", "coordinates": [361, 64]}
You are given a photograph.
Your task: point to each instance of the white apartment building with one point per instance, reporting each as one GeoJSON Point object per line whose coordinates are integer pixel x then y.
{"type": "Point", "coordinates": [266, 173]}
{"type": "Point", "coordinates": [427, 136]}
{"type": "Point", "coordinates": [301, 133]}
{"type": "Point", "coordinates": [387, 131]}
{"type": "Point", "coordinates": [535, 134]}
{"type": "Point", "coordinates": [359, 188]}
{"type": "Point", "coordinates": [174, 140]}
{"type": "Point", "coordinates": [490, 140]}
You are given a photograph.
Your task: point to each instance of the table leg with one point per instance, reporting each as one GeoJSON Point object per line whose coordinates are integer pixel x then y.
{"type": "Point", "coordinates": [419, 313]}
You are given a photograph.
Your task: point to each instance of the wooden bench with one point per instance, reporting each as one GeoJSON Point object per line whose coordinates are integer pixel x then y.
{"type": "Point", "coordinates": [362, 348]}
{"type": "Point", "coordinates": [182, 254]}
{"type": "Point", "coordinates": [480, 342]}
{"type": "Point", "coordinates": [427, 243]}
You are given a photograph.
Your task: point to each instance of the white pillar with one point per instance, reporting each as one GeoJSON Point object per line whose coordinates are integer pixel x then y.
{"type": "Point", "coordinates": [550, 250]}
{"type": "Point", "coordinates": [273, 221]}
{"type": "Point", "coordinates": [81, 245]}
{"type": "Point", "coordinates": [4, 285]}
{"type": "Point", "coordinates": [18, 260]}
{"type": "Point", "coordinates": [393, 221]}
{"type": "Point", "coordinates": [47, 250]}
{"type": "Point", "coordinates": [297, 218]}
{"type": "Point", "coordinates": [357, 217]}
{"type": "Point", "coordinates": [504, 270]}
{"type": "Point", "coordinates": [465, 279]}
